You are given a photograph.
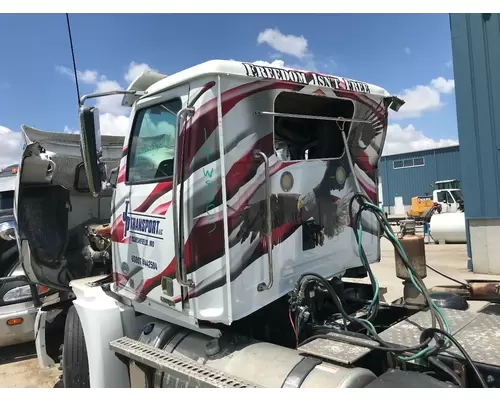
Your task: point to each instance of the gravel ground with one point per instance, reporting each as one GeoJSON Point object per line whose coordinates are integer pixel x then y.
{"type": "Point", "coordinates": [19, 366]}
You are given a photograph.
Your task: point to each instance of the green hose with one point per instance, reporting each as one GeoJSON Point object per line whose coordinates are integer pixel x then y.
{"type": "Point", "coordinates": [372, 207]}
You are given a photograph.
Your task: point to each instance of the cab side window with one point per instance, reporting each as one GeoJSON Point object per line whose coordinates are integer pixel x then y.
{"type": "Point", "coordinates": [152, 145]}
{"type": "Point", "coordinates": [441, 197]}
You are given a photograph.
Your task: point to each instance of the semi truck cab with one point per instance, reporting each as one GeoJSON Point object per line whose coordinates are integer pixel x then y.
{"type": "Point", "coordinates": [194, 254]}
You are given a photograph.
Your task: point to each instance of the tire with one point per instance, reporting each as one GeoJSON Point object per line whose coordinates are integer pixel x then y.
{"type": "Point", "coordinates": [74, 360]}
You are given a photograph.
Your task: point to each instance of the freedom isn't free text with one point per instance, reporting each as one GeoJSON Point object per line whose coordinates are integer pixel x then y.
{"type": "Point", "coordinates": [259, 71]}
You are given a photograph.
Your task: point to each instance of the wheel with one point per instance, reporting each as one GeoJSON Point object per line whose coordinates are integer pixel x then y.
{"type": "Point", "coordinates": [74, 360]}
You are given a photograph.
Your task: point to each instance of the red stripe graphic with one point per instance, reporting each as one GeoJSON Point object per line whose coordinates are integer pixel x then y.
{"type": "Point", "coordinates": [206, 118]}
{"type": "Point", "coordinates": [363, 162]}
{"type": "Point", "coordinates": [208, 246]}
{"type": "Point", "coordinates": [159, 190]}
{"type": "Point", "coordinates": [121, 173]}
{"type": "Point", "coordinates": [162, 208]}
{"type": "Point", "coordinates": [279, 234]}
{"type": "Point", "coordinates": [244, 169]}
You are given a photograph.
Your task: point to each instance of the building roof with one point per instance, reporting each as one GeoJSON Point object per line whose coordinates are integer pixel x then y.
{"type": "Point", "coordinates": [418, 152]}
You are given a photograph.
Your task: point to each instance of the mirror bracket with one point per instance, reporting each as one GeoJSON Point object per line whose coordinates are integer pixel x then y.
{"type": "Point", "coordinates": [111, 93]}
{"type": "Point", "coordinates": [112, 178]}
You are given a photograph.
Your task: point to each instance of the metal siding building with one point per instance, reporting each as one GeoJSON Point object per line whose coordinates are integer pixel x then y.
{"type": "Point", "coordinates": [476, 63]}
{"type": "Point", "coordinates": [439, 164]}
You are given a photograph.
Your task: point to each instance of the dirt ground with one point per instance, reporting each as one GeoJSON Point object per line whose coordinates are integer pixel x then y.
{"type": "Point", "coordinates": [19, 366]}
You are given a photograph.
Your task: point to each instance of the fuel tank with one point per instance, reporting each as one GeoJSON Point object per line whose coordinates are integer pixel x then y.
{"type": "Point", "coordinates": [264, 364]}
{"type": "Point", "coordinates": [448, 228]}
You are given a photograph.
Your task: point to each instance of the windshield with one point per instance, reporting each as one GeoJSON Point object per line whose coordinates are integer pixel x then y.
{"type": "Point", "coordinates": [153, 143]}
{"type": "Point", "coordinates": [454, 184]}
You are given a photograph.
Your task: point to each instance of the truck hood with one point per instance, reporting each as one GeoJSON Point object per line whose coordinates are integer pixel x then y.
{"type": "Point", "coordinates": [53, 206]}
{"type": "Point", "coordinates": [66, 146]}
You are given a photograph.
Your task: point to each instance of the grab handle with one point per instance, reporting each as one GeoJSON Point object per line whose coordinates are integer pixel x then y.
{"type": "Point", "coordinates": [180, 267]}
{"type": "Point", "coordinates": [267, 184]}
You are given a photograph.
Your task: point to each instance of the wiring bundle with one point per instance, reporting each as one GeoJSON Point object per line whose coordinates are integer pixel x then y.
{"type": "Point", "coordinates": [424, 351]}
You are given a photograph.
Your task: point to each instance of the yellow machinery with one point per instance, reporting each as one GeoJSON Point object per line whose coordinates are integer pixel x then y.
{"type": "Point", "coordinates": [420, 205]}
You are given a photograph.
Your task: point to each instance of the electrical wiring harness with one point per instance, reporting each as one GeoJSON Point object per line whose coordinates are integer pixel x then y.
{"type": "Point", "coordinates": [439, 330]}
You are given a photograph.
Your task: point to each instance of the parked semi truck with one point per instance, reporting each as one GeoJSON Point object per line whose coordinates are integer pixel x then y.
{"type": "Point", "coordinates": [215, 253]}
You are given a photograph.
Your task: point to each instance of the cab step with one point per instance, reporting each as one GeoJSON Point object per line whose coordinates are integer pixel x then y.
{"type": "Point", "coordinates": [178, 371]}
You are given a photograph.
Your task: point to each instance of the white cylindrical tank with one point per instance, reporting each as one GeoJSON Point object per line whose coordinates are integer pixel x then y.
{"type": "Point", "coordinates": [448, 228]}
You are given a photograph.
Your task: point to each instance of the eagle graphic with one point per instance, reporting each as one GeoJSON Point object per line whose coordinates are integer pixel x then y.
{"type": "Point", "coordinates": [327, 210]}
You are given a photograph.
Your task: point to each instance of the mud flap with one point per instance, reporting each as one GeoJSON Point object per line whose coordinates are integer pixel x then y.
{"type": "Point", "coordinates": [40, 343]}
{"type": "Point", "coordinates": [49, 330]}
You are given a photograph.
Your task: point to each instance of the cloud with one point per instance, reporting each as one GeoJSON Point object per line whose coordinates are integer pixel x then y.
{"type": "Point", "coordinates": [87, 76]}
{"type": "Point", "coordinates": [443, 85]}
{"type": "Point", "coordinates": [408, 139]}
{"type": "Point", "coordinates": [134, 70]}
{"type": "Point", "coordinates": [110, 104]}
{"type": "Point", "coordinates": [113, 116]}
{"type": "Point", "coordinates": [295, 46]}
{"type": "Point", "coordinates": [115, 125]}
{"type": "Point", "coordinates": [423, 98]}
{"type": "Point", "coordinates": [407, 50]}
{"type": "Point", "coordinates": [287, 44]}
{"type": "Point", "coordinates": [10, 152]}
{"type": "Point", "coordinates": [67, 129]}
{"type": "Point", "coordinates": [449, 64]}
{"type": "Point", "coordinates": [275, 63]}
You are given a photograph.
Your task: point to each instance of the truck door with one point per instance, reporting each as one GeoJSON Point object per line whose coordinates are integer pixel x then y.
{"type": "Point", "coordinates": [142, 215]}
{"type": "Point", "coordinates": [446, 200]}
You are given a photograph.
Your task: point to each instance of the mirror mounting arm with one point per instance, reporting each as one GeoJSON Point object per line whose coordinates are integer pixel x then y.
{"type": "Point", "coordinates": [112, 93]}
{"type": "Point", "coordinates": [112, 179]}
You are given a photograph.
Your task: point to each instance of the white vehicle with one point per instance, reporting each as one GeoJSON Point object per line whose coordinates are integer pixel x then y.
{"type": "Point", "coordinates": [205, 259]}
{"type": "Point", "coordinates": [449, 195]}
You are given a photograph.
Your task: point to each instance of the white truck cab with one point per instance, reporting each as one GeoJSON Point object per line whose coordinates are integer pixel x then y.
{"type": "Point", "coordinates": [449, 195]}
{"type": "Point", "coordinates": [196, 255]}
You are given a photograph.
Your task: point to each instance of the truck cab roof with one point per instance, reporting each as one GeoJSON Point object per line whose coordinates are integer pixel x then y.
{"type": "Point", "coordinates": [152, 82]}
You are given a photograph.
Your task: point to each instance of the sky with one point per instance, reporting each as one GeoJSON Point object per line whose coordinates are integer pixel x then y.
{"type": "Point", "coordinates": [407, 54]}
